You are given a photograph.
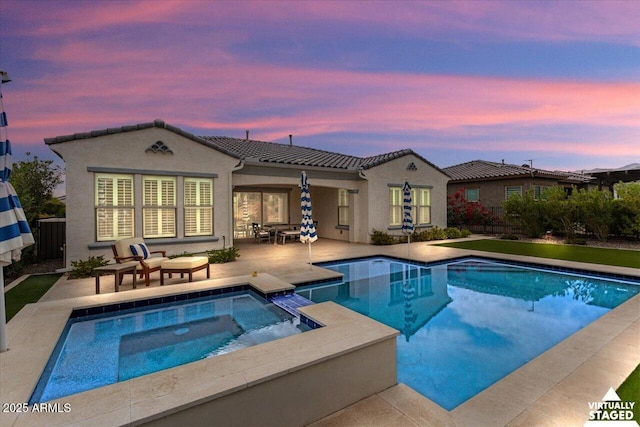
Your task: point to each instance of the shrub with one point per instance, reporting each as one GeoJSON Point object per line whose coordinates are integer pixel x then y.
{"type": "Point", "coordinates": [528, 211]}
{"type": "Point", "coordinates": [434, 233]}
{"type": "Point", "coordinates": [437, 234]}
{"type": "Point", "coordinates": [509, 237]}
{"type": "Point", "coordinates": [381, 238]}
{"type": "Point", "coordinates": [419, 236]}
{"type": "Point", "coordinates": [596, 211]}
{"type": "Point", "coordinates": [180, 255]}
{"type": "Point", "coordinates": [460, 211]}
{"type": "Point", "coordinates": [453, 233]}
{"type": "Point", "coordinates": [221, 256]}
{"type": "Point", "coordinates": [465, 232]}
{"type": "Point", "coordinates": [84, 268]}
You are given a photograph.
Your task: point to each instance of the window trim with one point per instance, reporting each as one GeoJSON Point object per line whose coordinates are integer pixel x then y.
{"type": "Point", "coordinates": [114, 207]}
{"type": "Point", "coordinates": [477, 190]}
{"type": "Point", "coordinates": [161, 208]}
{"type": "Point", "coordinates": [540, 191]}
{"type": "Point", "coordinates": [343, 195]}
{"type": "Point", "coordinates": [508, 194]}
{"type": "Point", "coordinates": [199, 207]}
{"type": "Point", "coordinates": [416, 209]}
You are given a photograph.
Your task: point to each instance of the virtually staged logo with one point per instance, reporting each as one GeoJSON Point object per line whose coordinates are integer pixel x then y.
{"type": "Point", "coordinates": [611, 412]}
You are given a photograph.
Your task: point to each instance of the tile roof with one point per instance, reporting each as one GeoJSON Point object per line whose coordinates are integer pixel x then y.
{"type": "Point", "coordinates": [271, 152]}
{"type": "Point", "coordinates": [483, 170]}
{"type": "Point", "coordinates": [260, 151]}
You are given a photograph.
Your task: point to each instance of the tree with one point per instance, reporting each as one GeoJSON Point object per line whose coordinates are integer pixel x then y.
{"type": "Point", "coordinates": [34, 181]}
{"type": "Point", "coordinates": [528, 211]}
{"type": "Point", "coordinates": [596, 211]}
{"type": "Point", "coordinates": [559, 211]}
{"type": "Point", "coordinates": [626, 209]}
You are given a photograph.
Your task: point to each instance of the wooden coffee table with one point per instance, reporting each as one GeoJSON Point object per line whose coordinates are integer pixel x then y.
{"type": "Point", "coordinates": [117, 270]}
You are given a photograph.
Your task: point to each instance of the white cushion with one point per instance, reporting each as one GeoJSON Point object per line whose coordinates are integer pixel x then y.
{"type": "Point", "coordinates": [122, 245]}
{"type": "Point", "coordinates": [153, 262]}
{"type": "Point", "coordinates": [185, 263]}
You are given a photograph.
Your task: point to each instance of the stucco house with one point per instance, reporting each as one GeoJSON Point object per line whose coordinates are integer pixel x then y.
{"type": "Point", "coordinates": [182, 192]}
{"type": "Point", "coordinates": [491, 183]}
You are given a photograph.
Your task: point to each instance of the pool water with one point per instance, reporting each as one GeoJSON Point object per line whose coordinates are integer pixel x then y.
{"type": "Point", "coordinates": [466, 324]}
{"type": "Point", "coordinates": [98, 350]}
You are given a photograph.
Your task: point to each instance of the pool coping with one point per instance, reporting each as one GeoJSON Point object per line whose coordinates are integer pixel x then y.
{"type": "Point", "coordinates": [153, 397]}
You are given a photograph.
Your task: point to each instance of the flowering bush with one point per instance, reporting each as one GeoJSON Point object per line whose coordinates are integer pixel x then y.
{"type": "Point", "coordinates": [460, 211]}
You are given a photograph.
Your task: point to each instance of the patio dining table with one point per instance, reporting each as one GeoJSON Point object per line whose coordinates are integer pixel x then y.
{"type": "Point", "coordinates": [283, 231]}
{"type": "Point", "coordinates": [288, 233]}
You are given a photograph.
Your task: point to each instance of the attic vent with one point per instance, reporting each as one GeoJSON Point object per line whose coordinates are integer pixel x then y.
{"type": "Point", "coordinates": [159, 147]}
{"type": "Point", "coordinates": [412, 167]}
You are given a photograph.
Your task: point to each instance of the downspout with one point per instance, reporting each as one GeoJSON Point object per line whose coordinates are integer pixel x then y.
{"type": "Point", "coordinates": [237, 167]}
{"type": "Point", "coordinates": [357, 234]}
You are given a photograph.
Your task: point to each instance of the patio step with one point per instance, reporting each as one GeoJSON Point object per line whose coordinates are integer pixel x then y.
{"type": "Point", "coordinates": [291, 303]}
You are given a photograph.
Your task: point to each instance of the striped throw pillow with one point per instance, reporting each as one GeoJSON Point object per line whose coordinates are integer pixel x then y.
{"type": "Point", "coordinates": [140, 249]}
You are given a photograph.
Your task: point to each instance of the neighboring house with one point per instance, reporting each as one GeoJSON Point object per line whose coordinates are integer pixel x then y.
{"type": "Point", "coordinates": [491, 183]}
{"type": "Point", "coordinates": [187, 193]}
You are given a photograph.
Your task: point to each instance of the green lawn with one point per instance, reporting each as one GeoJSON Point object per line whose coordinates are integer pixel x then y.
{"type": "Point", "coordinates": [616, 257]}
{"type": "Point", "coordinates": [629, 391]}
{"type": "Point", "coordinates": [27, 292]}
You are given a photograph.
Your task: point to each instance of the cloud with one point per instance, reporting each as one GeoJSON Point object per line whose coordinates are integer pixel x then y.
{"type": "Point", "coordinates": [311, 102]}
{"type": "Point", "coordinates": [223, 67]}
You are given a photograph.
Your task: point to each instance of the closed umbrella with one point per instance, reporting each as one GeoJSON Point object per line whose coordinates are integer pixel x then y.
{"type": "Point", "coordinates": [307, 227]}
{"type": "Point", "coordinates": [15, 233]}
{"type": "Point", "coordinates": [407, 220]}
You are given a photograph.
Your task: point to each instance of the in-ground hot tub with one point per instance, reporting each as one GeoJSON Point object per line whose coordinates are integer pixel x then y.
{"type": "Point", "coordinates": [108, 345]}
{"type": "Point", "coordinates": [288, 381]}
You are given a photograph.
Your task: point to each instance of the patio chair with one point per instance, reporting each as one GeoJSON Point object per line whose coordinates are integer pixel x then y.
{"type": "Point", "coordinates": [259, 234]}
{"type": "Point", "coordinates": [150, 261]}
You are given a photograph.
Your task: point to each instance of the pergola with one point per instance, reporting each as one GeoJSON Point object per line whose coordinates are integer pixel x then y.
{"type": "Point", "coordinates": [607, 177]}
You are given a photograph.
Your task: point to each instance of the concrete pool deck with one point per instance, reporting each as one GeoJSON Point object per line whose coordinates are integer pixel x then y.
{"type": "Point", "coordinates": [553, 389]}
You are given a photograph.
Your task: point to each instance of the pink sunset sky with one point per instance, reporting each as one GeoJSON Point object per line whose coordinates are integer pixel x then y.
{"type": "Point", "coordinates": [557, 83]}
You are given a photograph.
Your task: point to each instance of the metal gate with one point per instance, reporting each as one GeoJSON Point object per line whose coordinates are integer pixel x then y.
{"type": "Point", "coordinates": [51, 238]}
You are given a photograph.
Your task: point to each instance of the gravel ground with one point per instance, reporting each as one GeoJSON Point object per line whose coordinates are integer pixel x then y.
{"type": "Point", "coordinates": [612, 244]}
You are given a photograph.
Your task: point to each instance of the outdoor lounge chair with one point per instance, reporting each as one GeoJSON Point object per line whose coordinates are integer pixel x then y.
{"type": "Point", "coordinates": [259, 234]}
{"type": "Point", "coordinates": [149, 261]}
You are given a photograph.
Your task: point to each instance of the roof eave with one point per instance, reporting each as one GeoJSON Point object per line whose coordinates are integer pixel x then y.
{"type": "Point", "coordinates": [252, 161]}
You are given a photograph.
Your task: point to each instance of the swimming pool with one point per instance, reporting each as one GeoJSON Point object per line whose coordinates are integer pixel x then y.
{"type": "Point", "coordinates": [467, 323]}
{"type": "Point", "coordinates": [99, 349]}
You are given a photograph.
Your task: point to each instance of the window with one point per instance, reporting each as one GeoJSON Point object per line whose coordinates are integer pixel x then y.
{"type": "Point", "coordinates": [158, 206]}
{"type": "Point", "coordinates": [420, 202]}
{"type": "Point", "coordinates": [275, 208]}
{"type": "Point", "coordinates": [343, 207]}
{"type": "Point", "coordinates": [421, 199]}
{"type": "Point", "coordinates": [538, 191]}
{"type": "Point", "coordinates": [198, 207]}
{"type": "Point", "coordinates": [395, 206]}
{"type": "Point", "coordinates": [472, 194]}
{"type": "Point", "coordinates": [114, 206]}
{"type": "Point", "coordinates": [511, 190]}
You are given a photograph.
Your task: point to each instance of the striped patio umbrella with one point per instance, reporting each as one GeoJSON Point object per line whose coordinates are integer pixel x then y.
{"type": "Point", "coordinates": [15, 233]}
{"type": "Point", "coordinates": [307, 227]}
{"type": "Point", "coordinates": [407, 220]}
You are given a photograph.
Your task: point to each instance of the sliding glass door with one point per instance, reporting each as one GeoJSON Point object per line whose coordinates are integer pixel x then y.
{"type": "Point", "coordinates": [265, 207]}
